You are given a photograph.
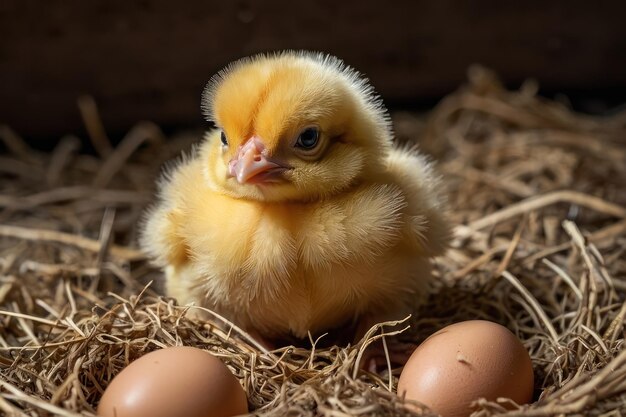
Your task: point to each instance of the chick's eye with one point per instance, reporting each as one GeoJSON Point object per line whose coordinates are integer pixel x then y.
{"type": "Point", "coordinates": [308, 139]}
{"type": "Point", "coordinates": [224, 140]}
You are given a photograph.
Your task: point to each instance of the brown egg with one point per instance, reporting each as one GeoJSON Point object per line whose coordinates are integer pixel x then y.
{"type": "Point", "coordinates": [464, 362]}
{"type": "Point", "coordinates": [174, 382]}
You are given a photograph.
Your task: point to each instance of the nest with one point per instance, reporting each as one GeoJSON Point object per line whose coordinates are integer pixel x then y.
{"type": "Point", "coordinates": [537, 193]}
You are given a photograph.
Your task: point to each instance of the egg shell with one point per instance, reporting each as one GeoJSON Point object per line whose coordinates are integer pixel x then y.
{"type": "Point", "coordinates": [464, 362]}
{"type": "Point", "coordinates": [174, 382]}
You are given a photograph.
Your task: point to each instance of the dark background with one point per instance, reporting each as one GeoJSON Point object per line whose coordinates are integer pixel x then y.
{"type": "Point", "coordinates": [148, 60]}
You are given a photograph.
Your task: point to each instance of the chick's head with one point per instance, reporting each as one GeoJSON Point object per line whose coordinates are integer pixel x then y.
{"type": "Point", "coordinates": [292, 127]}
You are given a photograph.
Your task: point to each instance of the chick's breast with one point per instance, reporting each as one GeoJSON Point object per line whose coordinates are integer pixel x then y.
{"type": "Point", "coordinates": [292, 268]}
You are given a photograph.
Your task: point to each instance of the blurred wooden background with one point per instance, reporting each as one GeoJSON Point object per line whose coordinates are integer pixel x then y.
{"type": "Point", "coordinates": [150, 59]}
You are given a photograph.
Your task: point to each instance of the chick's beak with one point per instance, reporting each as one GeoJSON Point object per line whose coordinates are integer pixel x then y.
{"type": "Point", "coordinates": [251, 164]}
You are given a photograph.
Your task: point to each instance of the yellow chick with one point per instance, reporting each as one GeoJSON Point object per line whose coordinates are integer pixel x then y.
{"type": "Point", "coordinates": [297, 214]}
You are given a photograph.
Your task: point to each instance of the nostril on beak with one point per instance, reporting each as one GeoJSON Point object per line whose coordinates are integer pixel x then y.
{"type": "Point", "coordinates": [257, 158]}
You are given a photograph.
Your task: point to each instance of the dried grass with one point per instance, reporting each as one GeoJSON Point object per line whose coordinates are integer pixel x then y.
{"type": "Point", "coordinates": [538, 194]}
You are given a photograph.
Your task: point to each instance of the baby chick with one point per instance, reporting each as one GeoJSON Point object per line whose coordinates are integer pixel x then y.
{"type": "Point", "coordinates": [297, 214]}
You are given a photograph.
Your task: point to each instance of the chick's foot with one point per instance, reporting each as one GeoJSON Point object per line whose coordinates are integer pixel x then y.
{"type": "Point", "coordinates": [374, 358]}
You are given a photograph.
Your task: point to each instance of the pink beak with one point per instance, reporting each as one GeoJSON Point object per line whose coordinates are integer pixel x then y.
{"type": "Point", "coordinates": [251, 164]}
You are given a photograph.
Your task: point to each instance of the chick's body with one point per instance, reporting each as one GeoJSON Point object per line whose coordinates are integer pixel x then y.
{"type": "Point", "coordinates": [296, 214]}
